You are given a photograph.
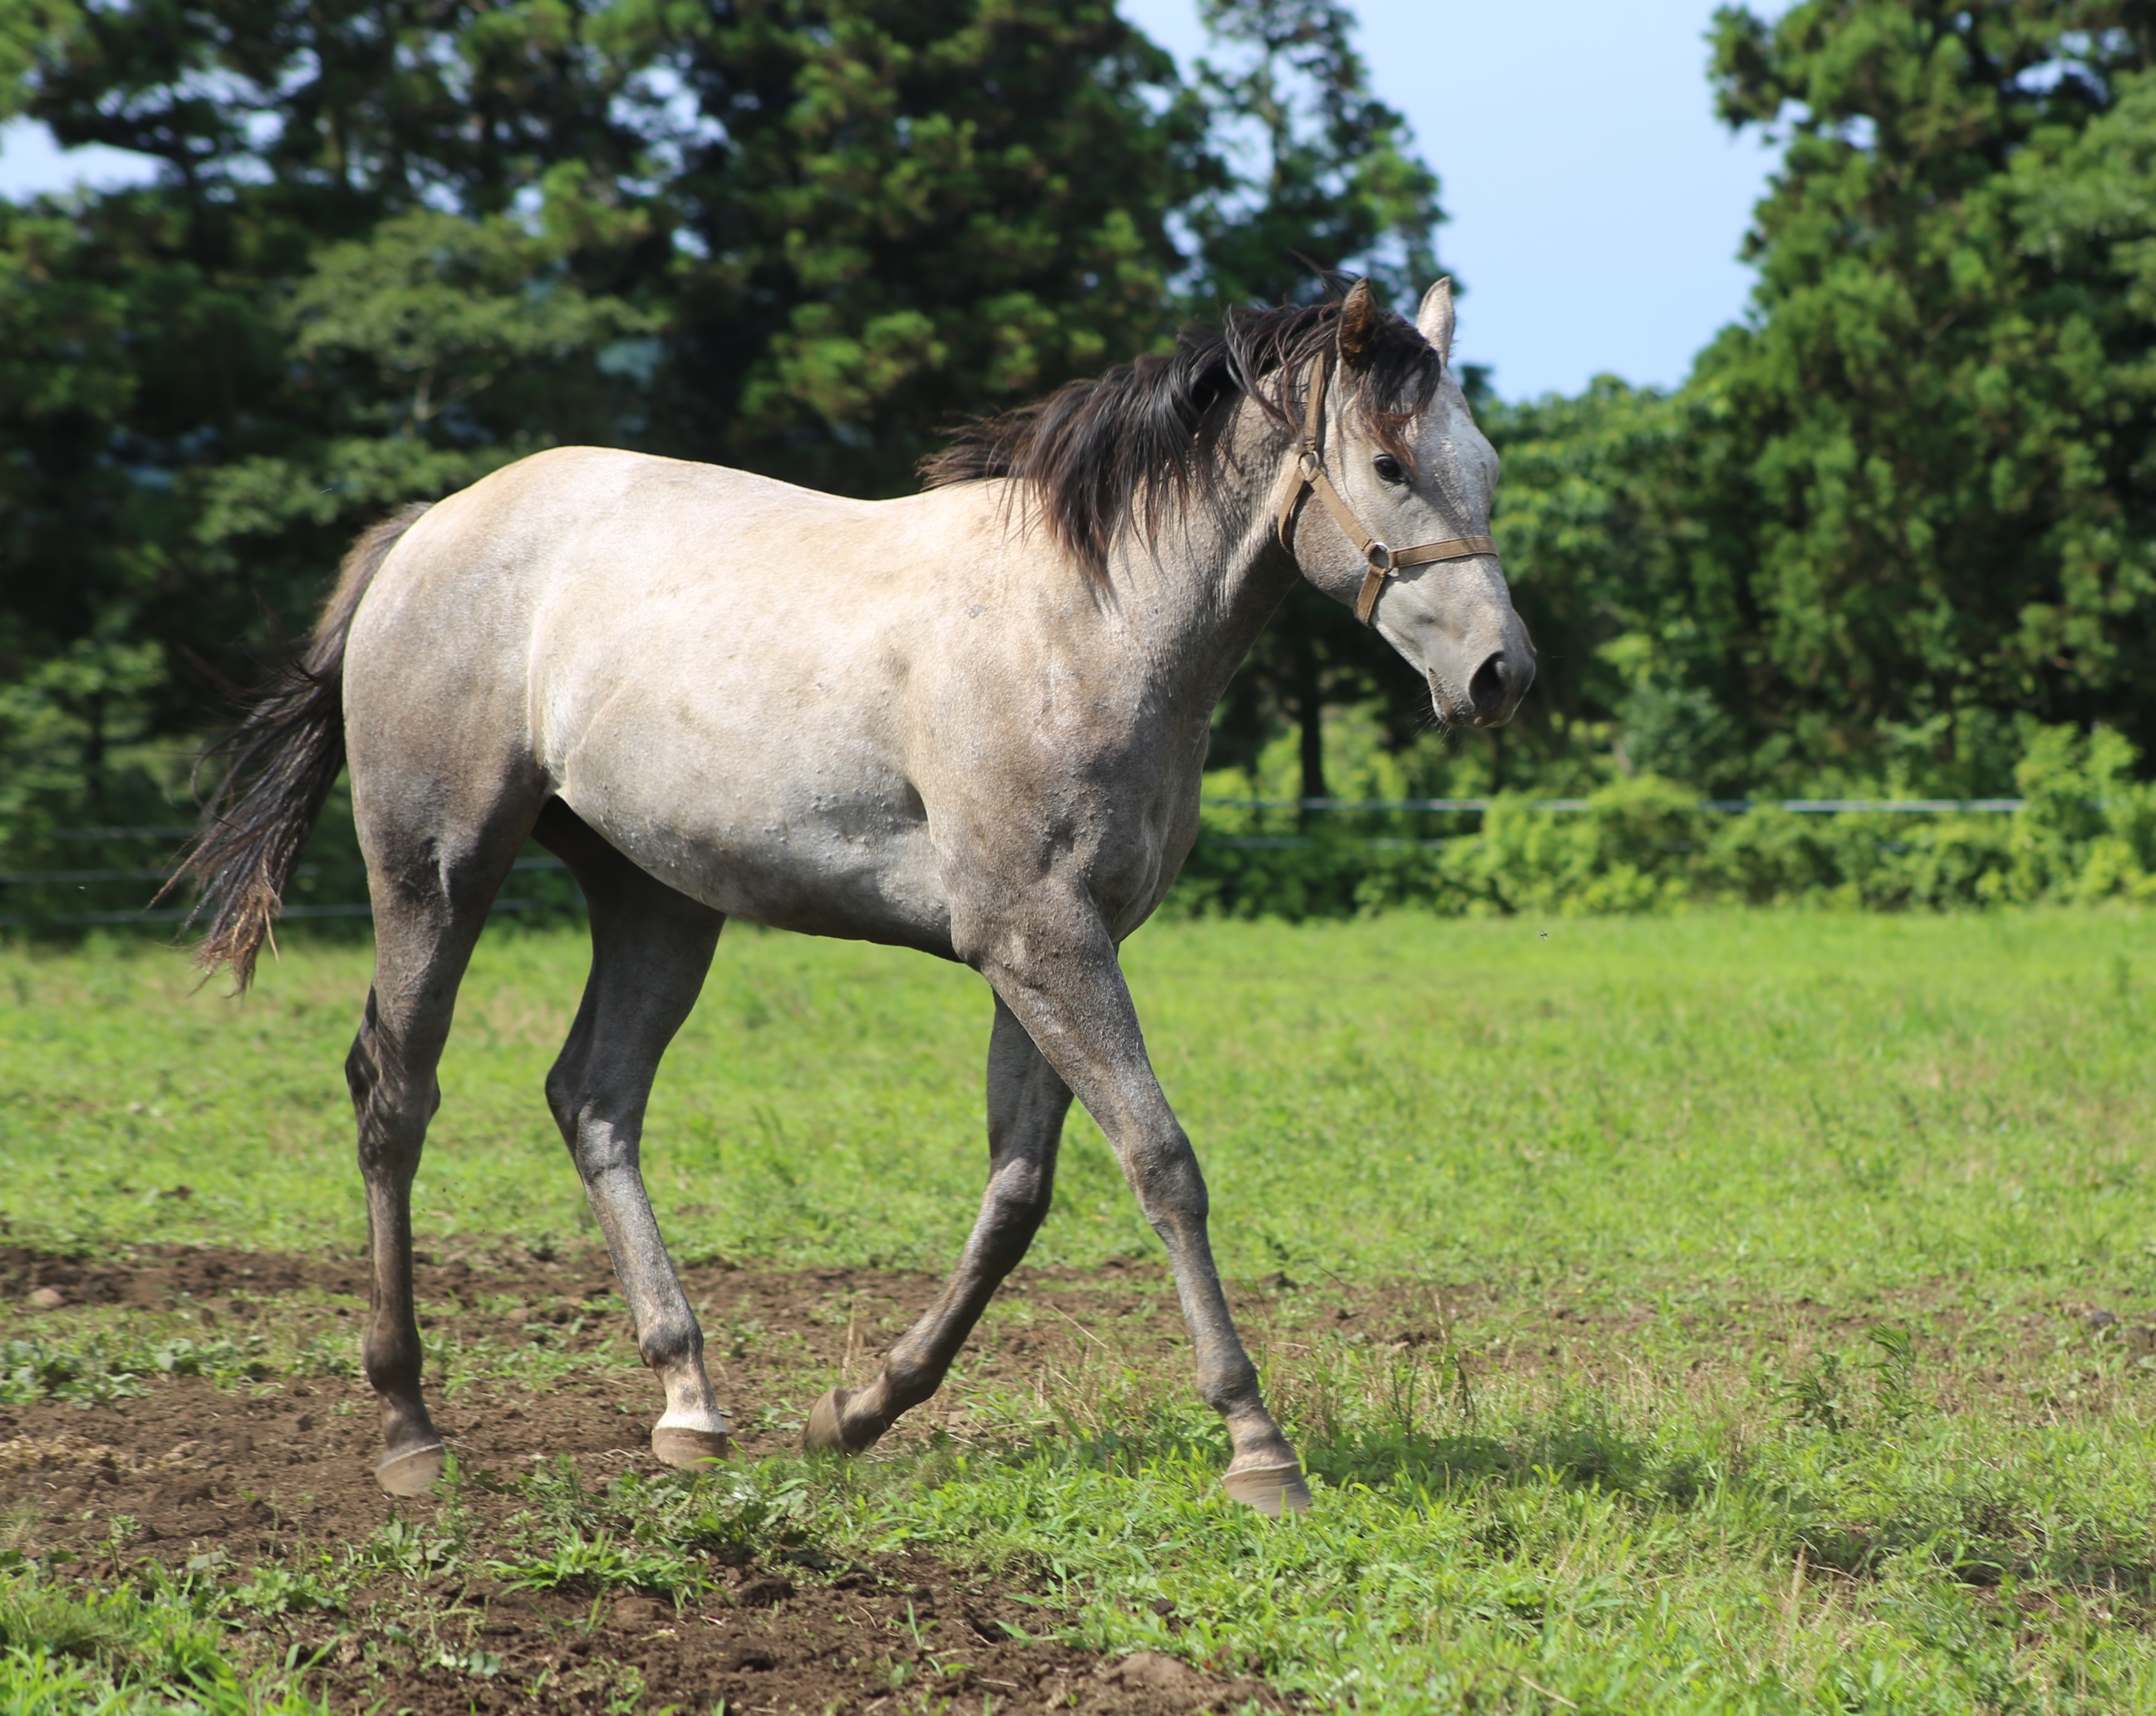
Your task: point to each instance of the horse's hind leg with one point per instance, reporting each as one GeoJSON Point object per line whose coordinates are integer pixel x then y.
{"type": "Point", "coordinates": [1027, 1102]}
{"type": "Point", "coordinates": [650, 949]}
{"type": "Point", "coordinates": [428, 914]}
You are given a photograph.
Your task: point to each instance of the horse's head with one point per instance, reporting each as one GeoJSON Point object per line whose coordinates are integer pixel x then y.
{"type": "Point", "coordinates": [1399, 461]}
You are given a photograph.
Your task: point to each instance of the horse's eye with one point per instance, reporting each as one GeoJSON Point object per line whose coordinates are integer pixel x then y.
{"type": "Point", "coordinates": [1389, 468]}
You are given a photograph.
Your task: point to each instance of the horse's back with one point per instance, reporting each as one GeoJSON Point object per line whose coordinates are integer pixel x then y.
{"type": "Point", "coordinates": [578, 569]}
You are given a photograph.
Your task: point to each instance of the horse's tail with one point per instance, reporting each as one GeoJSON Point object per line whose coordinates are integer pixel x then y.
{"type": "Point", "coordinates": [281, 762]}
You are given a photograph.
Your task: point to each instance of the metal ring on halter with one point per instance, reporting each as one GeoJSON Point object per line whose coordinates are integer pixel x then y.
{"type": "Point", "coordinates": [1380, 557]}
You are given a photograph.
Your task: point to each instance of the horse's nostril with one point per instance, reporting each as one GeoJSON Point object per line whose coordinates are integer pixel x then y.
{"type": "Point", "coordinates": [1485, 691]}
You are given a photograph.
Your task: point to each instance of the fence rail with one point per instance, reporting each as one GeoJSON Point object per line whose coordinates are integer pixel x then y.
{"type": "Point", "coordinates": [1735, 806]}
{"type": "Point", "coordinates": [361, 909]}
{"type": "Point", "coordinates": [174, 915]}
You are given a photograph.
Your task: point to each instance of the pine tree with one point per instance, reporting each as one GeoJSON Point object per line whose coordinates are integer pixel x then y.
{"type": "Point", "coordinates": [1926, 467]}
{"type": "Point", "coordinates": [394, 246]}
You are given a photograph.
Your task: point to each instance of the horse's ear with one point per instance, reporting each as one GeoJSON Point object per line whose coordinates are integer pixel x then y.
{"type": "Point", "coordinates": [1359, 325]}
{"type": "Point", "coordinates": [1434, 318]}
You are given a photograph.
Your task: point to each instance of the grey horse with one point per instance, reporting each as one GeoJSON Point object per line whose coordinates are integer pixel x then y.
{"type": "Point", "coordinates": [971, 721]}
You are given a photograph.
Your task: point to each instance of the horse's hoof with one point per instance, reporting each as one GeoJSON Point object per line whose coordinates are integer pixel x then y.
{"type": "Point", "coordinates": [1272, 1490]}
{"type": "Point", "coordinates": [411, 1472]}
{"type": "Point", "coordinates": [824, 1436]}
{"type": "Point", "coordinates": [671, 1445]}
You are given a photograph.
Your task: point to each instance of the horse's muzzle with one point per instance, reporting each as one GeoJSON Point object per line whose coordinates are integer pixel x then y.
{"type": "Point", "coordinates": [1493, 690]}
{"type": "Point", "coordinates": [1496, 687]}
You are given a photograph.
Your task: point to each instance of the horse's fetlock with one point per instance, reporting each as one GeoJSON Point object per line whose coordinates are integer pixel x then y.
{"type": "Point", "coordinates": [392, 1367]}
{"type": "Point", "coordinates": [670, 1341]}
{"type": "Point", "coordinates": [907, 1382]}
{"type": "Point", "coordinates": [1233, 1392]}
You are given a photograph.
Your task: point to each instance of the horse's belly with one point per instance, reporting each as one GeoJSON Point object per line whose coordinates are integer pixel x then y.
{"type": "Point", "coordinates": [862, 871]}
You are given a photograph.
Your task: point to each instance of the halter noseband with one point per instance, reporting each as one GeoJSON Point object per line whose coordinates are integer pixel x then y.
{"type": "Point", "coordinates": [1307, 473]}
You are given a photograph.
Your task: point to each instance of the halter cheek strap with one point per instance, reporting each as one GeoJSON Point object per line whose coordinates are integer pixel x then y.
{"type": "Point", "coordinates": [1306, 474]}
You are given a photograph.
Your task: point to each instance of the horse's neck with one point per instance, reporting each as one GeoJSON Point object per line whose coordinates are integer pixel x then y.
{"type": "Point", "coordinates": [1201, 592]}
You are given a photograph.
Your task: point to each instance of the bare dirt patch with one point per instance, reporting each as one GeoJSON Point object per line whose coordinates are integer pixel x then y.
{"type": "Point", "coordinates": [276, 1471]}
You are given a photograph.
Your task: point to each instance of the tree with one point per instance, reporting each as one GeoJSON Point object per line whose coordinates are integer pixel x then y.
{"type": "Point", "coordinates": [903, 211]}
{"type": "Point", "coordinates": [1322, 174]}
{"type": "Point", "coordinates": [1592, 525]}
{"type": "Point", "coordinates": [394, 246]}
{"type": "Point", "coordinates": [1922, 471]}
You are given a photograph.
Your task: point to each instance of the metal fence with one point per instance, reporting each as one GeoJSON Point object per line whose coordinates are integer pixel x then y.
{"type": "Point", "coordinates": [1735, 806]}
{"type": "Point", "coordinates": [1399, 842]}
{"type": "Point", "coordinates": [91, 876]}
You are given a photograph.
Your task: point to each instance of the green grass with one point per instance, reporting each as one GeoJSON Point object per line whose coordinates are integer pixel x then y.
{"type": "Point", "coordinates": [1757, 1249]}
{"type": "Point", "coordinates": [1789, 1102]}
{"type": "Point", "coordinates": [130, 1651]}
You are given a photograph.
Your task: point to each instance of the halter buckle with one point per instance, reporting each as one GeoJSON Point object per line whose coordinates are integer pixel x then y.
{"type": "Point", "coordinates": [1380, 557]}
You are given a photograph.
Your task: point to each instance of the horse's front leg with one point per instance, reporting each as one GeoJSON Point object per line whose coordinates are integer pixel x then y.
{"type": "Point", "coordinates": [1027, 1102]}
{"type": "Point", "coordinates": [1055, 971]}
{"type": "Point", "coordinates": [1058, 972]}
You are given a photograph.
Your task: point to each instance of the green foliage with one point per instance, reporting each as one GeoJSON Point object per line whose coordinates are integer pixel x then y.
{"type": "Point", "coordinates": [1353, 1087]}
{"type": "Point", "coordinates": [122, 1651]}
{"type": "Point", "coordinates": [953, 207]}
{"type": "Point", "coordinates": [1326, 175]}
{"type": "Point", "coordinates": [33, 1371]}
{"type": "Point", "coordinates": [1904, 507]}
{"type": "Point", "coordinates": [662, 1536]}
{"type": "Point", "coordinates": [1593, 538]}
{"type": "Point", "coordinates": [1644, 843]}
{"type": "Point", "coordinates": [392, 249]}
{"type": "Point", "coordinates": [1899, 512]}
{"type": "Point", "coordinates": [575, 1563]}
{"type": "Point", "coordinates": [1917, 478]}
{"type": "Point", "coordinates": [99, 1367]}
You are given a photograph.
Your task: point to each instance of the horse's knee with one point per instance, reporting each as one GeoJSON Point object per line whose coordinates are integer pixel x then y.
{"type": "Point", "coordinates": [1169, 1185]}
{"type": "Point", "coordinates": [562, 1101]}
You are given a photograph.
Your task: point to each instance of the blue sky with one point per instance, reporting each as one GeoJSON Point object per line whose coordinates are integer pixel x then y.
{"type": "Point", "coordinates": [1596, 206]}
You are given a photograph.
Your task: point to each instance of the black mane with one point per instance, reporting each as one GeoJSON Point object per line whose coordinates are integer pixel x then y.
{"type": "Point", "coordinates": [1100, 455]}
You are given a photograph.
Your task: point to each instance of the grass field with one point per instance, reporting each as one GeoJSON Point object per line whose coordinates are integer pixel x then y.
{"type": "Point", "coordinates": [1740, 1277]}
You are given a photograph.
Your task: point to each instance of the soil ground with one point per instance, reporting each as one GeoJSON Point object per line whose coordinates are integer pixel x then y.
{"type": "Point", "coordinates": [270, 1471]}
{"type": "Point", "coordinates": [275, 1471]}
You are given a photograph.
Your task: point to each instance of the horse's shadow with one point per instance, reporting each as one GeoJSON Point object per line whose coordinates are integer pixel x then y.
{"type": "Point", "coordinates": [1583, 1453]}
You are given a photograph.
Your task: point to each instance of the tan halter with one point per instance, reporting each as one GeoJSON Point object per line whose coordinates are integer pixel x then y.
{"type": "Point", "coordinates": [1307, 472]}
